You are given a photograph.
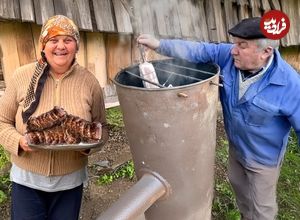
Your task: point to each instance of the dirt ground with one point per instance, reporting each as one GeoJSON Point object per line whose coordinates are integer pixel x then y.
{"type": "Point", "coordinates": [97, 198]}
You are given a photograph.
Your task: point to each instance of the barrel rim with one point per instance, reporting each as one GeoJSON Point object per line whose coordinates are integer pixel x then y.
{"type": "Point", "coordinates": [166, 88]}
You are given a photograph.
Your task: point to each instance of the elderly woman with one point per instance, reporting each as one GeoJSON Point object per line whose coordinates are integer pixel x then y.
{"type": "Point", "coordinates": [47, 184]}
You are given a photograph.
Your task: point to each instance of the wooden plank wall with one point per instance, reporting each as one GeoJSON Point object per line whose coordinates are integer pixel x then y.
{"type": "Point", "coordinates": [206, 20]}
{"type": "Point", "coordinates": [1, 65]}
{"type": "Point", "coordinates": [292, 56]}
{"type": "Point", "coordinates": [142, 13]}
{"type": "Point", "coordinates": [9, 48]}
{"type": "Point", "coordinates": [25, 43]}
{"type": "Point", "coordinates": [43, 10]}
{"type": "Point", "coordinates": [172, 18]}
{"type": "Point", "coordinates": [122, 16]}
{"type": "Point", "coordinates": [27, 10]}
{"type": "Point", "coordinates": [104, 15]}
{"type": "Point", "coordinates": [96, 56]}
{"type": "Point", "coordinates": [104, 54]}
{"type": "Point", "coordinates": [9, 9]}
{"type": "Point", "coordinates": [77, 10]}
{"type": "Point", "coordinates": [292, 9]}
{"type": "Point", "coordinates": [118, 53]}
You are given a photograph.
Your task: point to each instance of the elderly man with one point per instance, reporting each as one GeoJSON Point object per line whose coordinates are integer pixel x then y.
{"type": "Point", "coordinates": [261, 102]}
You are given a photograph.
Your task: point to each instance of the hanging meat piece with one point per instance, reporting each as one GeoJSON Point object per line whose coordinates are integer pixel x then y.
{"type": "Point", "coordinates": [46, 120]}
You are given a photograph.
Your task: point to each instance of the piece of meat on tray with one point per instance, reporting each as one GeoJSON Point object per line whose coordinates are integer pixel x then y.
{"type": "Point", "coordinates": [87, 130]}
{"type": "Point", "coordinates": [71, 137]}
{"type": "Point", "coordinates": [48, 136]}
{"type": "Point", "coordinates": [47, 119]}
{"type": "Point", "coordinates": [52, 136]}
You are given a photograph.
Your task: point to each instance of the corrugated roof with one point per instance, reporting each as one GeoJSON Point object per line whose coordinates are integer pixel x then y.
{"type": "Point", "coordinates": [189, 19]}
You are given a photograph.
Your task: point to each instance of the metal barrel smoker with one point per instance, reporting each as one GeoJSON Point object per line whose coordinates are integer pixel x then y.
{"type": "Point", "coordinates": [172, 135]}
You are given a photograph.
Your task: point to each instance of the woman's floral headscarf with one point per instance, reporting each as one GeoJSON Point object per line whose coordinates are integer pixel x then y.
{"type": "Point", "coordinates": [58, 25]}
{"type": "Point", "coordinates": [54, 26]}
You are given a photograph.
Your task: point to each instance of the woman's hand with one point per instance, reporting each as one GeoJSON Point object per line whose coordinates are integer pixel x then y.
{"type": "Point", "coordinates": [148, 41]}
{"type": "Point", "coordinates": [24, 145]}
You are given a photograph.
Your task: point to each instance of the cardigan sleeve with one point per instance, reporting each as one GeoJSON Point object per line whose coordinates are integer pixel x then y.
{"type": "Point", "coordinates": [9, 136]}
{"type": "Point", "coordinates": [98, 112]}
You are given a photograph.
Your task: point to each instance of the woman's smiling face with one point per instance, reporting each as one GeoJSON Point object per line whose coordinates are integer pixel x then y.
{"type": "Point", "coordinates": [60, 52]}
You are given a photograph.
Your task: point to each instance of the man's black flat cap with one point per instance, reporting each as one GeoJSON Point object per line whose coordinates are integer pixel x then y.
{"type": "Point", "coordinates": [248, 28]}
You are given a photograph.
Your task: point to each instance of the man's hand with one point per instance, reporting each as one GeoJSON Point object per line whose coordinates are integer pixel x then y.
{"type": "Point", "coordinates": [24, 145]}
{"type": "Point", "coordinates": [148, 40]}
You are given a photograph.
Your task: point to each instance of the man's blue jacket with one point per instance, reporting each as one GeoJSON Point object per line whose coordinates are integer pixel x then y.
{"type": "Point", "coordinates": [258, 124]}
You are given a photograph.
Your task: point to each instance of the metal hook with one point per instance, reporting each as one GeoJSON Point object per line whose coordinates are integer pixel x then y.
{"type": "Point", "coordinates": [142, 52]}
{"type": "Point", "coordinates": [216, 84]}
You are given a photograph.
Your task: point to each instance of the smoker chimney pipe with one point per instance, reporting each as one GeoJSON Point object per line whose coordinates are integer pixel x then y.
{"type": "Point", "coordinates": [138, 198]}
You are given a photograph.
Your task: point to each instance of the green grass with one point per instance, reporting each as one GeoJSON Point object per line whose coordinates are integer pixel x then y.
{"type": "Point", "coordinates": [4, 180]}
{"type": "Point", "coordinates": [126, 170]}
{"type": "Point", "coordinates": [114, 117]}
{"type": "Point", "coordinates": [3, 157]}
{"type": "Point", "coordinates": [5, 187]}
{"type": "Point", "coordinates": [224, 204]}
{"type": "Point", "coordinates": [288, 190]}
{"type": "Point", "coordinates": [289, 182]}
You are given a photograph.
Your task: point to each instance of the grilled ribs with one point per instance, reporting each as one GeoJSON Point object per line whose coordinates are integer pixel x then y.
{"type": "Point", "coordinates": [55, 135]}
{"type": "Point", "coordinates": [46, 120]}
{"type": "Point", "coordinates": [59, 127]}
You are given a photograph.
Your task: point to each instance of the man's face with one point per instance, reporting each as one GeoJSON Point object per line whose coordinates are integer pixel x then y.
{"type": "Point", "coordinates": [246, 54]}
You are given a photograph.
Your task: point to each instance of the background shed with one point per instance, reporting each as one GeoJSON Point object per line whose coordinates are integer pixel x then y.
{"type": "Point", "coordinates": [108, 29]}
